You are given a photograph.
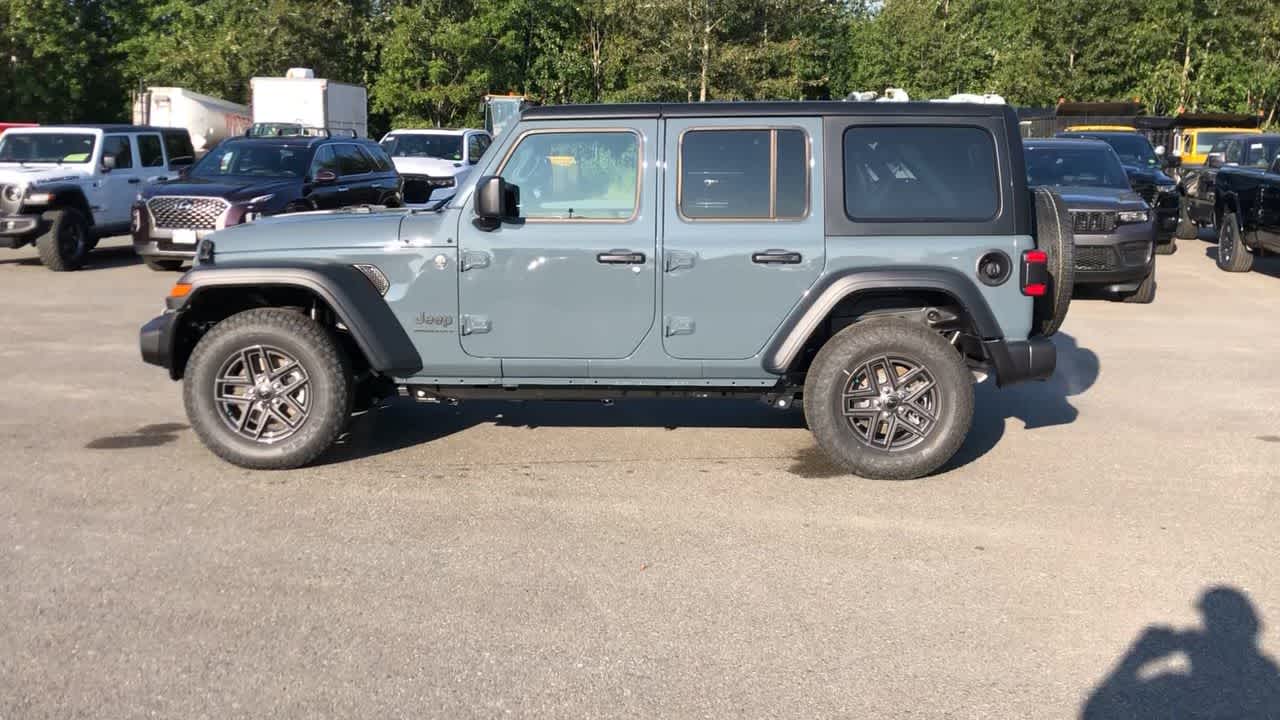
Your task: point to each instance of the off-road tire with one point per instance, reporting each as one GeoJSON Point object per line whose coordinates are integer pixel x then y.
{"type": "Point", "coordinates": [66, 244]}
{"type": "Point", "coordinates": [1054, 235]}
{"type": "Point", "coordinates": [849, 350]}
{"type": "Point", "coordinates": [160, 265]}
{"type": "Point", "coordinates": [314, 348]}
{"type": "Point", "coordinates": [1146, 292]}
{"type": "Point", "coordinates": [1167, 248]}
{"type": "Point", "coordinates": [1233, 256]}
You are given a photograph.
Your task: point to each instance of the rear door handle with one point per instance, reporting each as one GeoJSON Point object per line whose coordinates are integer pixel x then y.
{"type": "Point", "coordinates": [620, 257]}
{"type": "Point", "coordinates": [134, 181]}
{"type": "Point", "coordinates": [776, 257]}
{"type": "Point", "coordinates": [343, 189]}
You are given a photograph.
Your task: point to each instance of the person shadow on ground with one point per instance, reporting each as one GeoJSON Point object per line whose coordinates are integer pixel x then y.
{"type": "Point", "coordinates": [1214, 672]}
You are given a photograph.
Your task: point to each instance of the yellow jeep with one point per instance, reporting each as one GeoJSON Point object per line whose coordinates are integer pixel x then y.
{"type": "Point", "coordinates": [1193, 144]}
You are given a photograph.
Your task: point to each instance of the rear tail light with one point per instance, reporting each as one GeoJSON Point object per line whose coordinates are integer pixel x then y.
{"type": "Point", "coordinates": [1035, 273]}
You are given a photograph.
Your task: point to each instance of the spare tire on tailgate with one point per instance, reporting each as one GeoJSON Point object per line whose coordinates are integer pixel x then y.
{"type": "Point", "coordinates": [1054, 236]}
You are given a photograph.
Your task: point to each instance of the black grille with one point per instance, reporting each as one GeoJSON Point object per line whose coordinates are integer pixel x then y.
{"type": "Point", "coordinates": [1095, 258]}
{"type": "Point", "coordinates": [1147, 191]}
{"type": "Point", "coordinates": [1093, 222]}
{"type": "Point", "coordinates": [184, 213]}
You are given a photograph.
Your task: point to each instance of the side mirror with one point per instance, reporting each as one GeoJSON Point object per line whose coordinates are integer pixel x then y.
{"type": "Point", "coordinates": [473, 159]}
{"type": "Point", "coordinates": [496, 200]}
{"type": "Point", "coordinates": [108, 163]}
{"type": "Point", "coordinates": [1160, 150]}
{"type": "Point", "coordinates": [326, 177]}
{"type": "Point", "coordinates": [1214, 159]}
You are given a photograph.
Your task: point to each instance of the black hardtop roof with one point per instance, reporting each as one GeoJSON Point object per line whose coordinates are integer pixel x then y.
{"type": "Point", "coordinates": [304, 140]}
{"type": "Point", "coordinates": [770, 108]}
{"type": "Point", "coordinates": [114, 127]}
{"type": "Point", "coordinates": [1082, 134]}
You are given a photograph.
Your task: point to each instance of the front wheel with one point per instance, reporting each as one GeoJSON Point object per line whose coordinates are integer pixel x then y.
{"type": "Point", "coordinates": [889, 399]}
{"type": "Point", "coordinates": [1167, 248]}
{"type": "Point", "coordinates": [1233, 256]}
{"type": "Point", "coordinates": [268, 389]}
{"type": "Point", "coordinates": [1146, 292]}
{"type": "Point", "coordinates": [66, 244]}
{"type": "Point", "coordinates": [162, 265]}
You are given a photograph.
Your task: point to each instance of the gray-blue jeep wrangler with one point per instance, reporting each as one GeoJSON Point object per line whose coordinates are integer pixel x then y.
{"type": "Point", "coordinates": [871, 259]}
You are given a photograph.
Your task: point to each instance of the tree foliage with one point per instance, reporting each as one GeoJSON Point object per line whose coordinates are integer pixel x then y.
{"type": "Point", "coordinates": [430, 61]}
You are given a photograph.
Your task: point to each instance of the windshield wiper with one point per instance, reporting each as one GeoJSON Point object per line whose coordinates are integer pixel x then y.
{"type": "Point", "coordinates": [441, 203]}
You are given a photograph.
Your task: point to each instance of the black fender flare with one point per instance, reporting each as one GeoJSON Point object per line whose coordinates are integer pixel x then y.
{"type": "Point", "coordinates": [68, 195]}
{"type": "Point", "coordinates": [823, 298]}
{"type": "Point", "coordinates": [358, 305]}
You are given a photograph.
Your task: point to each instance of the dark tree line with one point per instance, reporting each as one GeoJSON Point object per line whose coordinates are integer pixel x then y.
{"type": "Point", "coordinates": [430, 61]}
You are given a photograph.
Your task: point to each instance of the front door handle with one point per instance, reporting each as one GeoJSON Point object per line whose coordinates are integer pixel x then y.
{"type": "Point", "coordinates": [776, 257]}
{"type": "Point", "coordinates": [343, 189]}
{"type": "Point", "coordinates": [134, 181]}
{"type": "Point", "coordinates": [620, 257]}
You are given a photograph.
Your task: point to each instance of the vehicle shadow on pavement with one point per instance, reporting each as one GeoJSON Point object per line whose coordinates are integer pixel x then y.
{"type": "Point", "coordinates": [1214, 671]}
{"type": "Point", "coordinates": [1036, 404]}
{"type": "Point", "coordinates": [1269, 265]}
{"type": "Point", "coordinates": [402, 423]}
{"type": "Point", "coordinates": [99, 259]}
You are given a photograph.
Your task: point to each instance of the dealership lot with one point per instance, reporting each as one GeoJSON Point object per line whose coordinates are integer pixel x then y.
{"type": "Point", "coordinates": [646, 558]}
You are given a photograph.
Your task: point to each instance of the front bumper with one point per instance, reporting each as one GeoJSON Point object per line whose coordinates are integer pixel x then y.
{"type": "Point", "coordinates": [17, 230]}
{"type": "Point", "coordinates": [1022, 360]}
{"type": "Point", "coordinates": [156, 341]}
{"type": "Point", "coordinates": [1122, 257]}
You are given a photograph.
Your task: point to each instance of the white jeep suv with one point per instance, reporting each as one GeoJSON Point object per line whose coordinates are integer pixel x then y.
{"type": "Point", "coordinates": [64, 187]}
{"type": "Point", "coordinates": [434, 162]}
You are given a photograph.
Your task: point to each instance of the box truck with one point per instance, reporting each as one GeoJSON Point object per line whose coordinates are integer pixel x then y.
{"type": "Point", "coordinates": [301, 103]}
{"type": "Point", "coordinates": [207, 119]}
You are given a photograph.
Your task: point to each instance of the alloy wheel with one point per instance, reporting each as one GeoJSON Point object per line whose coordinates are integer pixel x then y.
{"type": "Point", "coordinates": [891, 403]}
{"type": "Point", "coordinates": [263, 394]}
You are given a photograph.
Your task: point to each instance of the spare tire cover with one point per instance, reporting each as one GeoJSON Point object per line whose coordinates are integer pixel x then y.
{"type": "Point", "coordinates": [1053, 235]}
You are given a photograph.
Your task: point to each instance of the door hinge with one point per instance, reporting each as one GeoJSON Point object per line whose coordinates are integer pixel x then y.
{"type": "Point", "coordinates": [476, 324]}
{"type": "Point", "coordinates": [474, 259]}
{"type": "Point", "coordinates": [677, 325]}
{"type": "Point", "coordinates": [678, 260]}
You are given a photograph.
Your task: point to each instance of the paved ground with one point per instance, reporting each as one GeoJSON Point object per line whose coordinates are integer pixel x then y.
{"type": "Point", "coordinates": [649, 559]}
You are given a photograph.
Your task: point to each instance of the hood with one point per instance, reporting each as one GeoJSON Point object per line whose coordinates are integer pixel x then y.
{"type": "Point", "coordinates": [1100, 198]}
{"type": "Point", "coordinates": [44, 173]}
{"type": "Point", "coordinates": [233, 189]}
{"type": "Point", "coordinates": [1146, 173]}
{"type": "Point", "coordinates": [326, 230]}
{"type": "Point", "coordinates": [435, 167]}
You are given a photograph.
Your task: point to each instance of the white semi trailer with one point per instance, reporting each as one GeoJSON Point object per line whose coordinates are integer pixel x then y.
{"type": "Point", "coordinates": [207, 119]}
{"type": "Point", "coordinates": [301, 103]}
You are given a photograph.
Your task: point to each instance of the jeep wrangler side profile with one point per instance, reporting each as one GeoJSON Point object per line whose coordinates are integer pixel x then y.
{"type": "Point", "coordinates": [62, 188]}
{"type": "Point", "coordinates": [871, 259]}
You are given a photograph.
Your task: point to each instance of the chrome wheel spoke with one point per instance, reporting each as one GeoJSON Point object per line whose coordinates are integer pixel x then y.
{"type": "Point", "coordinates": [263, 393]}
{"type": "Point", "coordinates": [892, 403]}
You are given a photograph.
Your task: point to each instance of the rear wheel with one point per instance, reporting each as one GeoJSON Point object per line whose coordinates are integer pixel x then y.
{"type": "Point", "coordinates": [1167, 248]}
{"type": "Point", "coordinates": [160, 265]}
{"type": "Point", "coordinates": [268, 389]}
{"type": "Point", "coordinates": [1233, 256]}
{"type": "Point", "coordinates": [888, 399]}
{"type": "Point", "coordinates": [1055, 237]}
{"type": "Point", "coordinates": [66, 244]}
{"type": "Point", "coordinates": [1187, 229]}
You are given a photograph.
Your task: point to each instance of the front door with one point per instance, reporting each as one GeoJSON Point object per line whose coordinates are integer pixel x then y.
{"type": "Point", "coordinates": [335, 194]}
{"type": "Point", "coordinates": [122, 184]}
{"type": "Point", "coordinates": [574, 277]}
{"type": "Point", "coordinates": [742, 232]}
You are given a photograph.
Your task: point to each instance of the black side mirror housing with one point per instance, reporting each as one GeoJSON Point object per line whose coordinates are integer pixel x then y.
{"type": "Point", "coordinates": [1214, 160]}
{"type": "Point", "coordinates": [325, 177]}
{"type": "Point", "coordinates": [496, 200]}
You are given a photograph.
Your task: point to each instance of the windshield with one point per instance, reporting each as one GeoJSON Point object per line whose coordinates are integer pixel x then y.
{"type": "Point", "coordinates": [1206, 140]}
{"type": "Point", "coordinates": [46, 147]}
{"type": "Point", "coordinates": [252, 159]}
{"type": "Point", "coordinates": [1075, 167]}
{"type": "Point", "coordinates": [1132, 149]}
{"type": "Point", "coordinates": [422, 145]}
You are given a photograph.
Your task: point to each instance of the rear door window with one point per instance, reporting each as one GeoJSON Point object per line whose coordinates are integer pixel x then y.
{"type": "Point", "coordinates": [920, 174]}
{"type": "Point", "coordinates": [744, 174]}
{"type": "Point", "coordinates": [378, 157]}
{"type": "Point", "coordinates": [178, 147]}
{"type": "Point", "coordinates": [150, 151]}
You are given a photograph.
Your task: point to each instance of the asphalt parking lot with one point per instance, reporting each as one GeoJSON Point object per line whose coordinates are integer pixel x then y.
{"type": "Point", "coordinates": [658, 559]}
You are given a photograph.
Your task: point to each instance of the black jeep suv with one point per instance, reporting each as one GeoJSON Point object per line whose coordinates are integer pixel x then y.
{"type": "Point", "coordinates": [1145, 169]}
{"type": "Point", "coordinates": [242, 179]}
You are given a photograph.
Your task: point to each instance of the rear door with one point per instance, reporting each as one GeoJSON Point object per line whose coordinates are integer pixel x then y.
{"type": "Point", "coordinates": [123, 183]}
{"type": "Point", "coordinates": [356, 174]}
{"type": "Point", "coordinates": [742, 231]}
{"type": "Point", "coordinates": [151, 158]}
{"type": "Point", "coordinates": [331, 195]}
{"type": "Point", "coordinates": [574, 277]}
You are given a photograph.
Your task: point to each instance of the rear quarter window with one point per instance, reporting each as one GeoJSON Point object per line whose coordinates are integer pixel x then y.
{"type": "Point", "coordinates": [920, 174]}
{"type": "Point", "coordinates": [178, 147]}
